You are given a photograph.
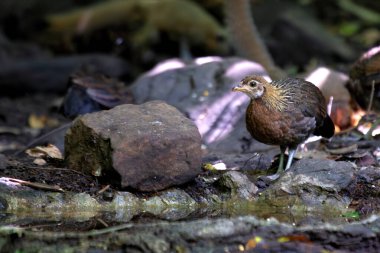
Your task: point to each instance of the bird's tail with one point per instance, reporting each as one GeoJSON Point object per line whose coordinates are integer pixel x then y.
{"type": "Point", "coordinates": [327, 128]}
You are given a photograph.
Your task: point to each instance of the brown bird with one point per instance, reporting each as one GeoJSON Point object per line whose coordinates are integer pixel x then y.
{"type": "Point", "coordinates": [285, 113]}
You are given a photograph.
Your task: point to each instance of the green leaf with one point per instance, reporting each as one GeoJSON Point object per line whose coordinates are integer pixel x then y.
{"type": "Point", "coordinates": [349, 28]}
{"type": "Point", "coordinates": [351, 214]}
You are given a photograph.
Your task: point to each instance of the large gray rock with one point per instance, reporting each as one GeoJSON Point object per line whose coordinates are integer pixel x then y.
{"type": "Point", "coordinates": [150, 146]}
{"type": "Point", "coordinates": [316, 182]}
{"type": "Point", "coordinates": [202, 91]}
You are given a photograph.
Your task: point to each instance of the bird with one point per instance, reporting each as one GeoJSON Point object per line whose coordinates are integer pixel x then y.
{"type": "Point", "coordinates": [284, 112]}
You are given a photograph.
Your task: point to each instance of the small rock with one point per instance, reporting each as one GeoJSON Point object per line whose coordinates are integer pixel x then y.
{"type": "Point", "coordinates": [239, 184]}
{"type": "Point", "coordinates": [317, 182]}
{"type": "Point", "coordinates": [368, 175]}
{"type": "Point", "coordinates": [124, 206]}
{"type": "Point", "coordinates": [172, 204]}
{"type": "Point", "coordinates": [148, 147]}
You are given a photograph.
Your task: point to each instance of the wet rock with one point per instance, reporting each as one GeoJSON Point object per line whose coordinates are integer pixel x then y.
{"type": "Point", "coordinates": [173, 204]}
{"type": "Point", "coordinates": [148, 147]}
{"type": "Point", "coordinates": [368, 175]}
{"type": "Point", "coordinates": [316, 182]}
{"type": "Point", "coordinates": [18, 198]}
{"type": "Point", "coordinates": [202, 91]}
{"type": "Point", "coordinates": [239, 185]}
{"type": "Point", "coordinates": [124, 205]}
{"type": "Point", "coordinates": [241, 161]}
{"type": "Point", "coordinates": [246, 234]}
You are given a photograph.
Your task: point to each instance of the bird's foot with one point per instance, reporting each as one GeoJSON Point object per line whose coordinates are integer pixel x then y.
{"type": "Point", "coordinates": [274, 177]}
{"type": "Point", "coordinates": [271, 178]}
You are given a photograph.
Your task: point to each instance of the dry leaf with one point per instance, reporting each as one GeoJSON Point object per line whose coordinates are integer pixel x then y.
{"type": "Point", "coordinates": [294, 238]}
{"type": "Point", "coordinates": [39, 161]}
{"type": "Point", "coordinates": [252, 243]}
{"type": "Point", "coordinates": [50, 151]}
{"type": "Point", "coordinates": [41, 121]}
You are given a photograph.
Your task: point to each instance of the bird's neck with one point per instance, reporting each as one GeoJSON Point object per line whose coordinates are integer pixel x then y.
{"type": "Point", "coordinates": [274, 98]}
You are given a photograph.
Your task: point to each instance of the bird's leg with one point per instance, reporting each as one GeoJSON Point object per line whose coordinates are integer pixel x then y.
{"type": "Point", "coordinates": [280, 169]}
{"type": "Point", "coordinates": [291, 152]}
{"type": "Point", "coordinates": [281, 165]}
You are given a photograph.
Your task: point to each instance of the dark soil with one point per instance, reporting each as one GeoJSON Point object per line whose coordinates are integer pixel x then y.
{"type": "Point", "coordinates": [14, 113]}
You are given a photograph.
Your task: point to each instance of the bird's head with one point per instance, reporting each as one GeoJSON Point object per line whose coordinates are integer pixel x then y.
{"type": "Point", "coordinates": [253, 86]}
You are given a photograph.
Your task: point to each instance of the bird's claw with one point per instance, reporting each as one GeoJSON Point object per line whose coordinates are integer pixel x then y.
{"type": "Point", "coordinates": [273, 177]}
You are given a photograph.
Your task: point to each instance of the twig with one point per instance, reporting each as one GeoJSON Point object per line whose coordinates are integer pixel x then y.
{"type": "Point", "coordinates": [60, 235]}
{"type": "Point", "coordinates": [105, 188]}
{"type": "Point", "coordinates": [371, 96]}
{"type": "Point", "coordinates": [64, 169]}
{"type": "Point", "coordinates": [102, 222]}
{"type": "Point", "coordinates": [36, 185]}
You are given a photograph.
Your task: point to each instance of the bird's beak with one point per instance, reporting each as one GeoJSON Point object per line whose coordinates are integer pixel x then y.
{"type": "Point", "coordinates": [240, 88]}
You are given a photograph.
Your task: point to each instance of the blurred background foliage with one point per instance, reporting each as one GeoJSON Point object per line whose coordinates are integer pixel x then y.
{"type": "Point", "coordinates": [355, 22]}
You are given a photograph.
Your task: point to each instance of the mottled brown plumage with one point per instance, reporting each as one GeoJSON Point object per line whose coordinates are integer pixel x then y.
{"type": "Point", "coordinates": [285, 112]}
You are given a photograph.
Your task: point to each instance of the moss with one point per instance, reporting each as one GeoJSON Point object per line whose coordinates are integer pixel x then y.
{"type": "Point", "coordinates": [87, 151]}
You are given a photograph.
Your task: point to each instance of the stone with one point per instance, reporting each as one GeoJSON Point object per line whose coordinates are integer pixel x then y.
{"type": "Point", "coordinates": [171, 204]}
{"type": "Point", "coordinates": [239, 184]}
{"type": "Point", "coordinates": [147, 147]}
{"type": "Point", "coordinates": [202, 90]}
{"type": "Point", "coordinates": [316, 182]}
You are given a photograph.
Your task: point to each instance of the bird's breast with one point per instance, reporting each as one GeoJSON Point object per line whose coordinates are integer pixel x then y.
{"type": "Point", "coordinates": [273, 127]}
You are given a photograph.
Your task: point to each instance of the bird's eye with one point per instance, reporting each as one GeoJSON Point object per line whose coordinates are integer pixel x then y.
{"type": "Point", "coordinates": [252, 83]}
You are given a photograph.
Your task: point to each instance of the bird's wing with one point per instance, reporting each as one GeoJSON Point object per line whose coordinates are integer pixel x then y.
{"type": "Point", "coordinates": [302, 126]}
{"type": "Point", "coordinates": [312, 103]}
